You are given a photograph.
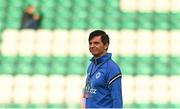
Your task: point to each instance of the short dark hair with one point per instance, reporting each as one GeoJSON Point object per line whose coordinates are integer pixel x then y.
{"type": "Point", "coordinates": [104, 36]}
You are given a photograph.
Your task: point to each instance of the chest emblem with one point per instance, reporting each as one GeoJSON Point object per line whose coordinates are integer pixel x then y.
{"type": "Point", "coordinates": [98, 75]}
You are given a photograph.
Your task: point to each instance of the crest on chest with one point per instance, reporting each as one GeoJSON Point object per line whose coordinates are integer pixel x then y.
{"type": "Point", "coordinates": [98, 74]}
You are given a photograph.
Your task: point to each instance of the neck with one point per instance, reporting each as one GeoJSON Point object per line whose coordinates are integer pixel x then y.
{"type": "Point", "coordinates": [96, 57]}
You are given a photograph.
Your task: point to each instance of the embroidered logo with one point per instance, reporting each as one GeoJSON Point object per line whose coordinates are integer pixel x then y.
{"type": "Point", "coordinates": [98, 75]}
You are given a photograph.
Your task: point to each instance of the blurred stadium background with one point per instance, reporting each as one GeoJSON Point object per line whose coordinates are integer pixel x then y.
{"type": "Point", "coordinates": [47, 67]}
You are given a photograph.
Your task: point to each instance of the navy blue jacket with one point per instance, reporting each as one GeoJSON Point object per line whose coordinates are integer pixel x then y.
{"type": "Point", "coordinates": [103, 84]}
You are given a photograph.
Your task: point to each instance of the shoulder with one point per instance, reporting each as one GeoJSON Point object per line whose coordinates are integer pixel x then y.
{"type": "Point", "coordinates": [114, 71]}
{"type": "Point", "coordinates": [112, 65]}
{"type": "Point", "coordinates": [90, 65]}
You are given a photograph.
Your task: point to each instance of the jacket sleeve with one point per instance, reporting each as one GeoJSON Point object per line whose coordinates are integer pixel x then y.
{"type": "Point", "coordinates": [114, 84]}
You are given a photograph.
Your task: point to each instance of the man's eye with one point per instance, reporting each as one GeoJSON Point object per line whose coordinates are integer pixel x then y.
{"type": "Point", "coordinates": [96, 43]}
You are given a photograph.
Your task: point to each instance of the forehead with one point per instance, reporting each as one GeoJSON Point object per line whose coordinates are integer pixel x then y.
{"type": "Point", "coordinates": [96, 38]}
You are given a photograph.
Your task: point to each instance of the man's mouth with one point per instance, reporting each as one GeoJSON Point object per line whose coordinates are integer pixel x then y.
{"type": "Point", "coordinates": [93, 50]}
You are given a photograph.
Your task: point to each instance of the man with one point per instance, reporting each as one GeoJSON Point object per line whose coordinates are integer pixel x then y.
{"type": "Point", "coordinates": [103, 83]}
{"type": "Point", "coordinates": [30, 19]}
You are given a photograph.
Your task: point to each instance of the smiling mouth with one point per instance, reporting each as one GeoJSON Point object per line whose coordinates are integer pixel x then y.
{"type": "Point", "coordinates": [92, 50]}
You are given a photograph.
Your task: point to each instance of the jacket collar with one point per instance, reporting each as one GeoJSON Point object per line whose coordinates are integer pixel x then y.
{"type": "Point", "coordinates": [101, 59]}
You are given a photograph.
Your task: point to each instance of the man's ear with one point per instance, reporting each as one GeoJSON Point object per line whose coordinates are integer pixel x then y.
{"type": "Point", "coordinates": [106, 46]}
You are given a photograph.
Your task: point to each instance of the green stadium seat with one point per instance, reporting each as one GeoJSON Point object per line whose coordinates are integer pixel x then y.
{"type": "Point", "coordinates": [65, 4]}
{"type": "Point", "coordinates": [143, 105]}
{"type": "Point", "coordinates": [36, 105]}
{"type": "Point", "coordinates": [96, 13]}
{"type": "Point", "coordinates": [109, 24]}
{"type": "Point", "coordinates": [106, 9]}
{"type": "Point", "coordinates": [71, 105]}
{"type": "Point", "coordinates": [62, 23]}
{"type": "Point", "coordinates": [95, 23]}
{"type": "Point", "coordinates": [62, 17]}
{"type": "Point", "coordinates": [1, 27]}
{"type": "Point", "coordinates": [86, 63]}
{"type": "Point", "coordinates": [112, 14]}
{"type": "Point", "coordinates": [24, 65]}
{"type": "Point", "coordinates": [15, 15]}
{"type": "Point", "coordinates": [2, 15]}
{"type": "Point", "coordinates": [174, 63]}
{"type": "Point", "coordinates": [41, 65]}
{"type": "Point", "coordinates": [79, 23]}
{"type": "Point", "coordinates": [48, 13]}
{"type": "Point", "coordinates": [15, 3]}
{"type": "Point", "coordinates": [144, 20]}
{"type": "Point", "coordinates": [14, 12]}
{"type": "Point", "coordinates": [96, 4]}
{"type": "Point", "coordinates": [17, 105]}
{"type": "Point", "coordinates": [174, 18]}
{"type": "Point", "coordinates": [143, 65]}
{"type": "Point", "coordinates": [82, 4]}
{"type": "Point", "coordinates": [128, 20]}
{"type": "Point", "coordinates": [47, 24]}
{"type": "Point", "coordinates": [11, 105]}
{"type": "Point", "coordinates": [48, 4]}
{"type": "Point", "coordinates": [81, 17]}
{"type": "Point", "coordinates": [31, 2]}
{"type": "Point", "coordinates": [63, 13]}
{"type": "Point", "coordinates": [160, 65]}
{"type": "Point", "coordinates": [113, 4]}
{"type": "Point", "coordinates": [7, 65]}
{"type": "Point", "coordinates": [56, 106]}
{"type": "Point", "coordinates": [58, 65]}
{"type": "Point", "coordinates": [76, 66]}
{"type": "Point", "coordinates": [160, 105]}
{"type": "Point", "coordinates": [132, 105]}
{"type": "Point", "coordinates": [161, 21]}
{"type": "Point", "coordinates": [12, 24]}
{"type": "Point", "coordinates": [3, 4]}
{"type": "Point", "coordinates": [48, 10]}
{"type": "Point", "coordinates": [127, 65]}
{"type": "Point", "coordinates": [174, 105]}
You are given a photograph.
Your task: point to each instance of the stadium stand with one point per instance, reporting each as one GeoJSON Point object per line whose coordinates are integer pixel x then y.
{"type": "Point", "coordinates": [46, 68]}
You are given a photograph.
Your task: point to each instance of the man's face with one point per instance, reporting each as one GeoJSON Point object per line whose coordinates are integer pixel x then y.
{"type": "Point", "coordinates": [96, 47]}
{"type": "Point", "coordinates": [31, 9]}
